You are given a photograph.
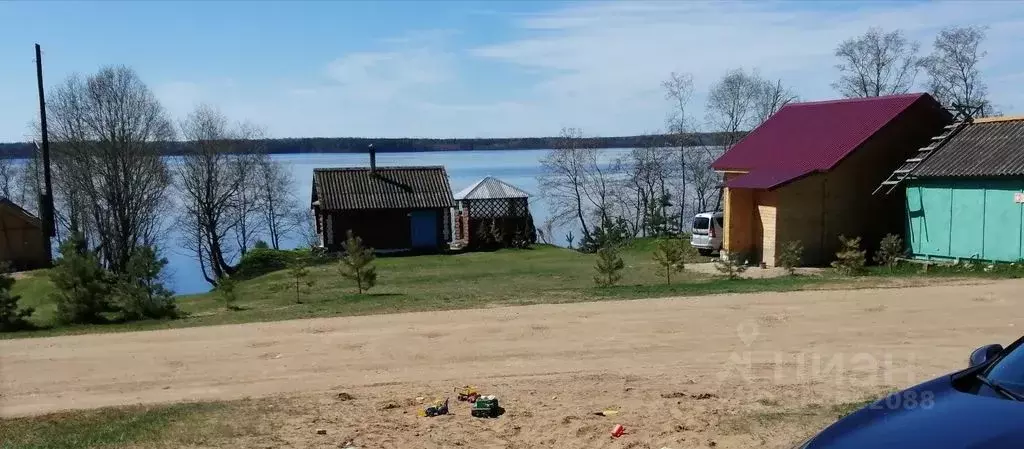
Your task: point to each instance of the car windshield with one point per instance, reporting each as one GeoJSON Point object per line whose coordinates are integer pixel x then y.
{"type": "Point", "coordinates": [701, 222]}
{"type": "Point", "coordinates": [1009, 370]}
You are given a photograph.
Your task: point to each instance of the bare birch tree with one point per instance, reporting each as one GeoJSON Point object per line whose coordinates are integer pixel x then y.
{"type": "Point", "coordinates": [679, 91]}
{"type": "Point", "coordinates": [876, 63]}
{"type": "Point", "coordinates": [953, 74]}
{"type": "Point", "coordinates": [107, 132]}
{"type": "Point", "coordinates": [704, 180]}
{"type": "Point", "coordinates": [648, 180]}
{"type": "Point", "coordinates": [210, 184]}
{"type": "Point", "coordinates": [278, 203]}
{"type": "Point", "coordinates": [731, 105]}
{"type": "Point", "coordinates": [9, 175]}
{"type": "Point", "coordinates": [247, 159]}
{"type": "Point", "coordinates": [565, 172]}
{"type": "Point", "coordinates": [771, 96]}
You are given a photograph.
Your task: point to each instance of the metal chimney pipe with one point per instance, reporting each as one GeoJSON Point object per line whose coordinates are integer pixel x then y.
{"type": "Point", "coordinates": [373, 160]}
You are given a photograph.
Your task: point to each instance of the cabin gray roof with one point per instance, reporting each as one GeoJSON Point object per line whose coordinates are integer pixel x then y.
{"type": "Point", "coordinates": [388, 188]}
{"type": "Point", "coordinates": [490, 188]}
{"type": "Point", "coordinates": [987, 147]}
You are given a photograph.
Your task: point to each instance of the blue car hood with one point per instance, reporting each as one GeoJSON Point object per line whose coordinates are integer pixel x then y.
{"type": "Point", "coordinates": [954, 420]}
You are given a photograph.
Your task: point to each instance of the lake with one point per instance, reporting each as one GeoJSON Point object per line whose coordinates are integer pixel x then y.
{"type": "Point", "coordinates": [517, 167]}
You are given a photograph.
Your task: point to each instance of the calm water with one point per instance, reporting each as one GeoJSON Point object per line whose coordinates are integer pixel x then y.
{"type": "Point", "coordinates": [519, 168]}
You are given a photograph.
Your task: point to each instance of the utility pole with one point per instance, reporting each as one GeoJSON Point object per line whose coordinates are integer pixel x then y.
{"type": "Point", "coordinates": [46, 197]}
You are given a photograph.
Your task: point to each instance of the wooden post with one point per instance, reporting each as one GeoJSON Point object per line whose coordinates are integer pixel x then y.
{"type": "Point", "coordinates": [46, 198]}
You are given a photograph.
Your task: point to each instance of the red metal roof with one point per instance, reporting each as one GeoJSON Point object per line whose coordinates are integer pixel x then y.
{"type": "Point", "coordinates": [809, 137]}
{"type": "Point", "coordinates": [768, 178]}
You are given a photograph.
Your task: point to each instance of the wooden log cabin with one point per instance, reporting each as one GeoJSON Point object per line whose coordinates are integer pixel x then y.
{"type": "Point", "coordinates": [390, 208]}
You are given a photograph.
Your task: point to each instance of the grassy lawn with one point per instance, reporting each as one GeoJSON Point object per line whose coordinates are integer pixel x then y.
{"type": "Point", "coordinates": [173, 425]}
{"type": "Point", "coordinates": [544, 274]}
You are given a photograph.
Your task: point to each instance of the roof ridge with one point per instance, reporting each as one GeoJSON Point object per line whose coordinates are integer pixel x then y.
{"type": "Point", "coordinates": [390, 167]}
{"type": "Point", "coordinates": [856, 100]}
{"type": "Point", "coordinates": [998, 119]}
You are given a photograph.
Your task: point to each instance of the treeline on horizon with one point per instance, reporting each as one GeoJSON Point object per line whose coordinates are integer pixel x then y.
{"type": "Point", "coordinates": [408, 145]}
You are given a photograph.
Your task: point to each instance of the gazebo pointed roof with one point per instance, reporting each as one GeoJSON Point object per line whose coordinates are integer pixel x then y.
{"type": "Point", "coordinates": [490, 188]}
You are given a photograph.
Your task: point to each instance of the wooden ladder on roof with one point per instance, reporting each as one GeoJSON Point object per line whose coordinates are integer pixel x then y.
{"type": "Point", "coordinates": [962, 116]}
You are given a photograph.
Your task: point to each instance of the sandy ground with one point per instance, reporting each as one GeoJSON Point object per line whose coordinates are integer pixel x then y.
{"type": "Point", "coordinates": [683, 372]}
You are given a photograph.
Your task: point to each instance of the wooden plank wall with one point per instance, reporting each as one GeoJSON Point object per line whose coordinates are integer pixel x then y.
{"type": "Point", "coordinates": [767, 216]}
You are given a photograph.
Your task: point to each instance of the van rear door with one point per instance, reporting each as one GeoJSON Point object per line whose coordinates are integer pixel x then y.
{"type": "Point", "coordinates": [701, 225]}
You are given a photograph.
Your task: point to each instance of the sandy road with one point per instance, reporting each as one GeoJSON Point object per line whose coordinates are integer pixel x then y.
{"type": "Point", "coordinates": [910, 334]}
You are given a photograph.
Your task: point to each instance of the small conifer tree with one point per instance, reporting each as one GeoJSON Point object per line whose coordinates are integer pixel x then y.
{"type": "Point", "coordinates": [609, 265]}
{"type": "Point", "coordinates": [669, 255]}
{"type": "Point", "coordinates": [356, 263]}
{"type": "Point", "coordinates": [850, 258]}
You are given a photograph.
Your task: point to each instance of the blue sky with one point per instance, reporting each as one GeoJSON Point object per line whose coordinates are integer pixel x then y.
{"type": "Point", "coordinates": [462, 68]}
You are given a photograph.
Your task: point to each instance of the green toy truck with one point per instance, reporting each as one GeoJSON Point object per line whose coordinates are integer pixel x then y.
{"type": "Point", "coordinates": [486, 407]}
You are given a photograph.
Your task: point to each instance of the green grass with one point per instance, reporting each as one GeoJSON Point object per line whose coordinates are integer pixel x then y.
{"type": "Point", "coordinates": [181, 424]}
{"type": "Point", "coordinates": [34, 289]}
{"type": "Point", "coordinates": [963, 269]}
{"type": "Point", "coordinates": [544, 274]}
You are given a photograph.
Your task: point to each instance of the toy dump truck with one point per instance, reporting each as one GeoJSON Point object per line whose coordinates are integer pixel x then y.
{"type": "Point", "coordinates": [467, 393]}
{"type": "Point", "coordinates": [486, 407]}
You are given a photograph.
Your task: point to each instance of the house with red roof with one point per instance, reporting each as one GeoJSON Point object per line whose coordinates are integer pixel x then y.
{"type": "Point", "coordinates": [807, 174]}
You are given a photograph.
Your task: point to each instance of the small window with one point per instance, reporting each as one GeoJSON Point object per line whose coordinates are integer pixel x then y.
{"type": "Point", "coordinates": [720, 222]}
{"type": "Point", "coordinates": [701, 222]}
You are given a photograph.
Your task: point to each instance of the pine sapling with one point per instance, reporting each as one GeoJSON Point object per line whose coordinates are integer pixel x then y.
{"type": "Point", "coordinates": [732, 265]}
{"type": "Point", "coordinates": [669, 255]}
{"type": "Point", "coordinates": [356, 263]}
{"type": "Point", "coordinates": [609, 265]}
{"type": "Point", "coordinates": [12, 318]}
{"type": "Point", "coordinates": [850, 258]}
{"type": "Point", "coordinates": [298, 272]}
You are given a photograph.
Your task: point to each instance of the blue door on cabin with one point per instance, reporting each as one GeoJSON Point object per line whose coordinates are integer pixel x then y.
{"type": "Point", "coordinates": [423, 228]}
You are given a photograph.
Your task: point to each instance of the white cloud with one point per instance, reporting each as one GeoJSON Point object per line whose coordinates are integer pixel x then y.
{"type": "Point", "coordinates": [601, 59]}
{"type": "Point", "coordinates": [383, 76]}
{"type": "Point", "coordinates": [592, 65]}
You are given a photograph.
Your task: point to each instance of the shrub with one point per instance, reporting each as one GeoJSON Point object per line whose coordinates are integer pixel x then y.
{"type": "Point", "coordinates": [790, 256]}
{"type": "Point", "coordinates": [731, 265]}
{"type": "Point", "coordinates": [850, 258]}
{"type": "Point", "coordinates": [356, 263]}
{"type": "Point", "coordinates": [82, 286]}
{"type": "Point", "coordinates": [669, 255]}
{"type": "Point", "coordinates": [260, 261]}
{"type": "Point", "coordinates": [226, 289]}
{"type": "Point", "coordinates": [608, 266]}
{"type": "Point", "coordinates": [890, 250]}
{"type": "Point", "coordinates": [12, 318]}
{"type": "Point", "coordinates": [140, 291]}
{"type": "Point", "coordinates": [260, 244]}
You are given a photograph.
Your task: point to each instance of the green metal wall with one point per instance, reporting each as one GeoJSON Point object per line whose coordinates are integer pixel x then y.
{"type": "Point", "coordinates": [965, 218]}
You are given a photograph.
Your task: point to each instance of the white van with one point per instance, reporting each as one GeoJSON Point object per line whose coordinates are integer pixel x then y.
{"type": "Point", "coordinates": [707, 232]}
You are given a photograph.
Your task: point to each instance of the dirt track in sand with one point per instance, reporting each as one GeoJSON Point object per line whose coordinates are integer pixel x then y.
{"type": "Point", "coordinates": [879, 337]}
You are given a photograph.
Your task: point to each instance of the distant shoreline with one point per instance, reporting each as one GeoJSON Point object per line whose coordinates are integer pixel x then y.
{"type": "Point", "coordinates": [410, 145]}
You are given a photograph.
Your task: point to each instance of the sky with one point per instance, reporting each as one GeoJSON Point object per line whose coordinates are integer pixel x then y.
{"type": "Point", "coordinates": [463, 68]}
